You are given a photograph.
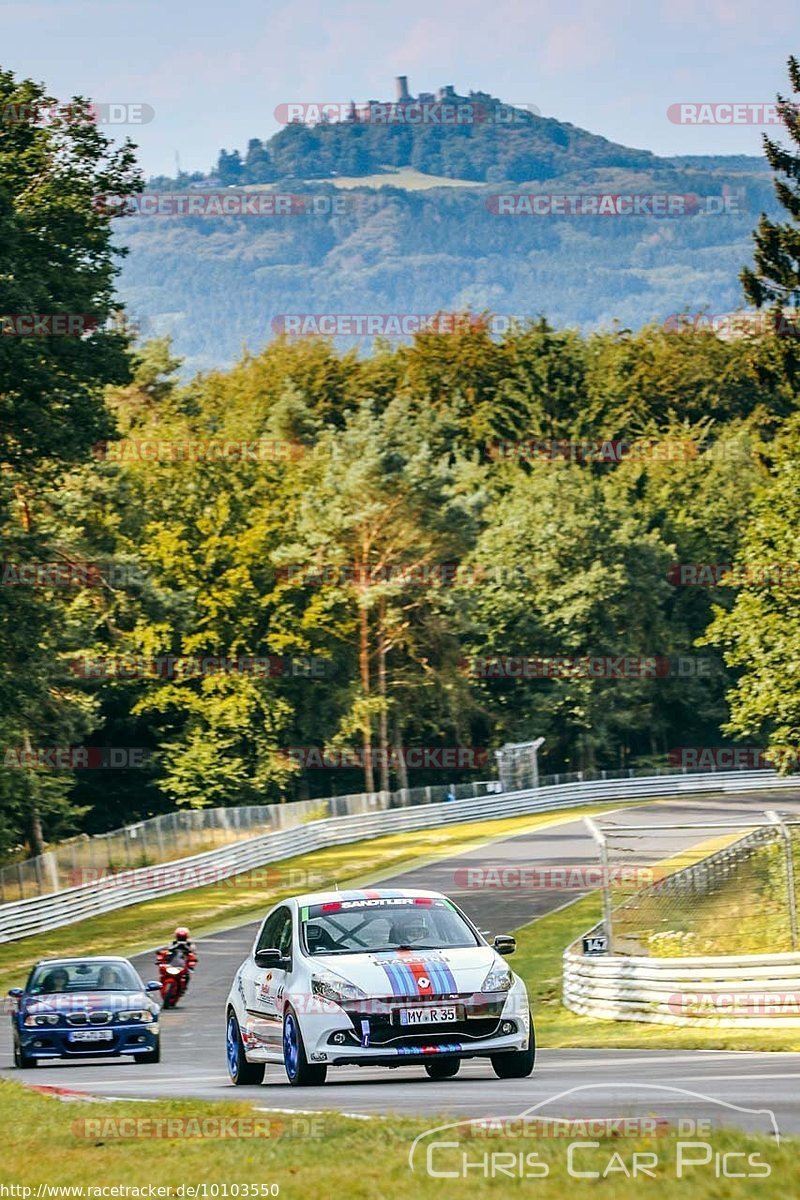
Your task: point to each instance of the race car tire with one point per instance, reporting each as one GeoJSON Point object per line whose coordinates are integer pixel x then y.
{"type": "Point", "coordinates": [516, 1064]}
{"type": "Point", "coordinates": [300, 1072]}
{"type": "Point", "coordinates": [443, 1068]}
{"type": "Point", "coordinates": [240, 1070]}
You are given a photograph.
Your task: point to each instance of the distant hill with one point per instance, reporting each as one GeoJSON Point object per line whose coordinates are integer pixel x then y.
{"type": "Point", "coordinates": [216, 283]}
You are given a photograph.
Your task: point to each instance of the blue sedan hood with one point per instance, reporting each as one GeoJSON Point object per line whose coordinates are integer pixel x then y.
{"type": "Point", "coordinates": [67, 1002]}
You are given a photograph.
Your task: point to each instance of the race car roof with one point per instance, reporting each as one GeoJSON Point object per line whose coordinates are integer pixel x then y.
{"type": "Point", "coordinates": [366, 894]}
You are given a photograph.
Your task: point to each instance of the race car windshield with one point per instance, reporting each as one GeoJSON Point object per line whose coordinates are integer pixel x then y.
{"type": "Point", "coordinates": [92, 976]}
{"type": "Point", "coordinates": [372, 926]}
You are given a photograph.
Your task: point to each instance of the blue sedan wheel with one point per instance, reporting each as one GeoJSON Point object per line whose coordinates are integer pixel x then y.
{"type": "Point", "coordinates": [22, 1061]}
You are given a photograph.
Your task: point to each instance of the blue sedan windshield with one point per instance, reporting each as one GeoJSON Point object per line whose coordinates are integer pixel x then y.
{"type": "Point", "coordinates": [93, 975]}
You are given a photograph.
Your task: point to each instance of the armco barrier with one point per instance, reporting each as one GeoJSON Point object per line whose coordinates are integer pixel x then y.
{"type": "Point", "coordinates": [756, 991]}
{"type": "Point", "coordinates": [27, 917]}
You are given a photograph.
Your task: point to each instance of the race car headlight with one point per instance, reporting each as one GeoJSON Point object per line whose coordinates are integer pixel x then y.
{"type": "Point", "coordinates": [331, 987]}
{"type": "Point", "coordinates": [136, 1014]}
{"type": "Point", "coordinates": [34, 1019]}
{"type": "Point", "coordinates": [499, 979]}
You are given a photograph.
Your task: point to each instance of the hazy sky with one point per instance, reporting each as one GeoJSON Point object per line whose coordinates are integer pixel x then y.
{"type": "Point", "coordinates": [214, 72]}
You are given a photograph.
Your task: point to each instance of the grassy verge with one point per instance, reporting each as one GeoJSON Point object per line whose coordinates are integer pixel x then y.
{"type": "Point", "coordinates": [78, 1144]}
{"type": "Point", "coordinates": [247, 896]}
{"type": "Point", "coordinates": [540, 947]}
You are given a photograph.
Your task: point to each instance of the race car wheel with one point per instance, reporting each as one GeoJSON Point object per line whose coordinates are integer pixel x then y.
{"type": "Point", "coordinates": [152, 1056]}
{"type": "Point", "coordinates": [300, 1071]}
{"type": "Point", "coordinates": [516, 1064]}
{"type": "Point", "coordinates": [22, 1061]}
{"type": "Point", "coordinates": [443, 1068]}
{"type": "Point", "coordinates": [240, 1070]}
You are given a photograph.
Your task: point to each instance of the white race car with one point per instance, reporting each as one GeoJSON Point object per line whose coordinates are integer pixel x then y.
{"type": "Point", "coordinates": [375, 978]}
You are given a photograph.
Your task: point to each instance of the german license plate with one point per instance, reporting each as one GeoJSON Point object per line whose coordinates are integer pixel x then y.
{"type": "Point", "coordinates": [428, 1016]}
{"type": "Point", "coordinates": [91, 1035]}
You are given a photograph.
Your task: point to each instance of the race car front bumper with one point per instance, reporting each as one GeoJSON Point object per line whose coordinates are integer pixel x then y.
{"type": "Point", "coordinates": [371, 1031]}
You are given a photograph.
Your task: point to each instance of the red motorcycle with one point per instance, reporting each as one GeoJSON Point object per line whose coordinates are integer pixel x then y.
{"type": "Point", "coordinates": [174, 968]}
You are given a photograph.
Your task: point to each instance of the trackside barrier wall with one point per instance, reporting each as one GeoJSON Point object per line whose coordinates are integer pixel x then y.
{"type": "Point", "coordinates": [753, 991]}
{"type": "Point", "coordinates": [29, 917]}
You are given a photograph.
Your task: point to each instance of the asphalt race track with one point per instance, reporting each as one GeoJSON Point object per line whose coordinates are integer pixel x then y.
{"type": "Point", "coordinates": [566, 1083]}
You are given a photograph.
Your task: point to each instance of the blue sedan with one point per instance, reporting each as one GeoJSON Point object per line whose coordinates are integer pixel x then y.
{"type": "Point", "coordinates": [84, 1008]}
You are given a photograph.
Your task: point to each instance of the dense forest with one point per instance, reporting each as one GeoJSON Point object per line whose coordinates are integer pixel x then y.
{"type": "Point", "coordinates": [445, 544]}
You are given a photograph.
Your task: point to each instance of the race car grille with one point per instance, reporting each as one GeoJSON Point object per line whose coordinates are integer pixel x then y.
{"type": "Point", "coordinates": [96, 1017]}
{"type": "Point", "coordinates": [383, 1031]}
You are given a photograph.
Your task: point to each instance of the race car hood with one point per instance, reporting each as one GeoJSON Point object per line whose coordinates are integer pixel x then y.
{"type": "Point", "coordinates": [414, 972]}
{"type": "Point", "coordinates": [70, 1002]}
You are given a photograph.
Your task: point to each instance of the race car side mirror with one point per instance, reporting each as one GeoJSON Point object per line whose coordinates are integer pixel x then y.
{"type": "Point", "coordinates": [16, 992]}
{"type": "Point", "coordinates": [268, 958]}
{"type": "Point", "coordinates": [505, 944]}
{"type": "Point", "coordinates": [152, 986]}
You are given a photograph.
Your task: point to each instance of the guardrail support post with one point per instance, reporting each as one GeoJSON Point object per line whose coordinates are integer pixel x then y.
{"type": "Point", "coordinates": [602, 842]}
{"type": "Point", "coordinates": [786, 834]}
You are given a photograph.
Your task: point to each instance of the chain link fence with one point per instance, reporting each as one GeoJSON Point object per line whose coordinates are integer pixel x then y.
{"type": "Point", "coordinates": [192, 831]}
{"type": "Point", "coordinates": [709, 893]}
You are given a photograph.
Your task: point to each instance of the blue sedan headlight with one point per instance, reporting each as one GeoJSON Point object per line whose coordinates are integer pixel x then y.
{"type": "Point", "coordinates": [34, 1019]}
{"type": "Point", "coordinates": [142, 1015]}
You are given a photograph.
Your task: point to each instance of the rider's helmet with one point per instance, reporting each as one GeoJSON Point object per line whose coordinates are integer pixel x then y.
{"type": "Point", "coordinates": [181, 934]}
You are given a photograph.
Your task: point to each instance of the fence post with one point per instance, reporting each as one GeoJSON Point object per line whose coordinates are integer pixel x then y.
{"type": "Point", "coordinates": [786, 834]}
{"type": "Point", "coordinates": [600, 839]}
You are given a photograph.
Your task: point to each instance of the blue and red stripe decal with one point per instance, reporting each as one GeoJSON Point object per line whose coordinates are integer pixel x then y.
{"type": "Point", "coordinates": [415, 975]}
{"type": "Point", "coordinates": [447, 1048]}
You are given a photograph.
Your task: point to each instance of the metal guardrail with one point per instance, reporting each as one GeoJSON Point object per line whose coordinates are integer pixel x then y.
{"type": "Point", "coordinates": [177, 834]}
{"type": "Point", "coordinates": [725, 991]}
{"type": "Point", "coordinates": [188, 831]}
{"type": "Point", "coordinates": [27, 917]}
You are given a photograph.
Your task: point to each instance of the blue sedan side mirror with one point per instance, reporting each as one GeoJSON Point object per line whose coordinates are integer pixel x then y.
{"type": "Point", "coordinates": [152, 986]}
{"type": "Point", "coordinates": [16, 992]}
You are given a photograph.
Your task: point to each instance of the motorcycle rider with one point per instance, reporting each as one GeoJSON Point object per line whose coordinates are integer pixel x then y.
{"type": "Point", "coordinates": [182, 950]}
